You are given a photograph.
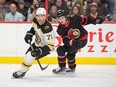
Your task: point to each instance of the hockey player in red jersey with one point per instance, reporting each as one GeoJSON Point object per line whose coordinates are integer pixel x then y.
{"type": "Point", "coordinates": [74, 37]}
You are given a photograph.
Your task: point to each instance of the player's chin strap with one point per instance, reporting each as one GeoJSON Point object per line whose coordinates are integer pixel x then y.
{"type": "Point", "coordinates": [42, 68]}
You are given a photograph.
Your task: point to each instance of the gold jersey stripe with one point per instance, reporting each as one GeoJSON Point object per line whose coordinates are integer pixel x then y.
{"type": "Point", "coordinates": [34, 23]}
{"type": "Point", "coordinates": [51, 47]}
{"type": "Point", "coordinates": [38, 44]}
{"type": "Point", "coordinates": [41, 31]}
{"type": "Point", "coordinates": [52, 43]}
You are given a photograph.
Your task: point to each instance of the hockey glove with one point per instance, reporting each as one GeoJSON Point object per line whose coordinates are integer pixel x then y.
{"type": "Point", "coordinates": [40, 52]}
{"type": "Point", "coordinates": [75, 42]}
{"type": "Point", "coordinates": [66, 40]}
{"type": "Point", "coordinates": [36, 52]}
{"type": "Point", "coordinates": [28, 37]}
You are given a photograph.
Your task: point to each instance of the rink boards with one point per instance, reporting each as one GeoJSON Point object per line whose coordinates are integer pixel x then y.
{"type": "Point", "coordinates": [101, 47]}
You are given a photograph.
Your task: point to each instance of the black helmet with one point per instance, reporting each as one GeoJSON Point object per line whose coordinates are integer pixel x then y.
{"type": "Point", "coordinates": [61, 13]}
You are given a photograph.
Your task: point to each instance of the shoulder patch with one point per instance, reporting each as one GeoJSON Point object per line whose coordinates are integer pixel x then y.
{"type": "Point", "coordinates": [46, 27]}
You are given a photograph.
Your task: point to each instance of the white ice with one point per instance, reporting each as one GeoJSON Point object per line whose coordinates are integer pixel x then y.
{"type": "Point", "coordinates": [85, 76]}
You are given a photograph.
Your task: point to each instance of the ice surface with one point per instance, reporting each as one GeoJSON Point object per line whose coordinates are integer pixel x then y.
{"type": "Point", "coordinates": [85, 76]}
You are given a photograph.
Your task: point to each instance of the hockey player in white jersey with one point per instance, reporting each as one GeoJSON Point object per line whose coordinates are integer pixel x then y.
{"type": "Point", "coordinates": [44, 41]}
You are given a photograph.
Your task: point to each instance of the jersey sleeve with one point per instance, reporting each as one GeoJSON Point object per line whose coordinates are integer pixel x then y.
{"type": "Point", "coordinates": [89, 20]}
{"type": "Point", "coordinates": [78, 19]}
{"type": "Point", "coordinates": [65, 38]}
{"type": "Point", "coordinates": [32, 31]}
{"type": "Point", "coordinates": [49, 36]}
{"type": "Point", "coordinates": [34, 25]}
{"type": "Point", "coordinates": [85, 20]}
{"type": "Point", "coordinates": [59, 31]}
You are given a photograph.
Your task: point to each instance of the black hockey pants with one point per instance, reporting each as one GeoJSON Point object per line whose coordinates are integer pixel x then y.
{"type": "Point", "coordinates": [69, 52]}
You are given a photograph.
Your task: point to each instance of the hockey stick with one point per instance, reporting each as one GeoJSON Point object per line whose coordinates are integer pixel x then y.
{"type": "Point", "coordinates": [42, 68]}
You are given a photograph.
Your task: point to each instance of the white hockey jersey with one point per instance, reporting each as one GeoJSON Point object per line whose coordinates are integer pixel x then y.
{"type": "Point", "coordinates": [44, 34]}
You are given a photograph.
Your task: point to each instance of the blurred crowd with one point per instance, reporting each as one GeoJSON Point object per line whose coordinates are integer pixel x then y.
{"type": "Point", "coordinates": [24, 10]}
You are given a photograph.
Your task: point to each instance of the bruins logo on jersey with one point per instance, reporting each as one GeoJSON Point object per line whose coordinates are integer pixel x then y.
{"type": "Point", "coordinates": [37, 38]}
{"type": "Point", "coordinates": [74, 33]}
{"type": "Point", "coordinates": [46, 27]}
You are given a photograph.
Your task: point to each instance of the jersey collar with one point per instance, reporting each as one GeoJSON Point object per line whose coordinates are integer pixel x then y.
{"type": "Point", "coordinates": [66, 25]}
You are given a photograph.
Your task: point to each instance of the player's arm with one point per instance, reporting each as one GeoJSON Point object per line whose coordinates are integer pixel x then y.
{"type": "Point", "coordinates": [49, 36]}
{"type": "Point", "coordinates": [87, 20]}
{"type": "Point", "coordinates": [68, 41]}
{"type": "Point", "coordinates": [65, 38]}
{"type": "Point", "coordinates": [31, 32]}
{"type": "Point", "coordinates": [49, 45]}
{"type": "Point", "coordinates": [49, 41]}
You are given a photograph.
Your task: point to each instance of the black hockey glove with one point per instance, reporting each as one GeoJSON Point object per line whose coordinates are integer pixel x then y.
{"type": "Point", "coordinates": [40, 52]}
{"type": "Point", "coordinates": [28, 37]}
{"type": "Point", "coordinates": [66, 40]}
{"type": "Point", "coordinates": [75, 42]}
{"type": "Point", "coordinates": [99, 20]}
{"type": "Point", "coordinates": [36, 52]}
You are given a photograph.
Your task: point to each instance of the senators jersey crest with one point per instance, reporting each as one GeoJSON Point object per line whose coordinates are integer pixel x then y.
{"type": "Point", "coordinates": [74, 33]}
